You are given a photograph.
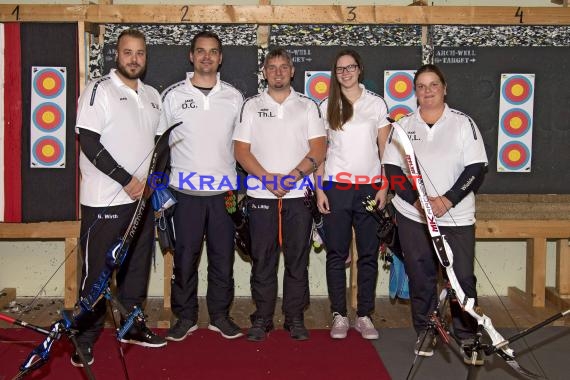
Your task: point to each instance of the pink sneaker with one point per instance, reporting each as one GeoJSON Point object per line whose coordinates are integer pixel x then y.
{"type": "Point", "coordinates": [366, 328]}
{"type": "Point", "coordinates": [339, 327]}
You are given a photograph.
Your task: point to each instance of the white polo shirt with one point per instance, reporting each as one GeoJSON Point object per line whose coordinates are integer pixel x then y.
{"type": "Point", "coordinates": [443, 151]}
{"type": "Point", "coordinates": [353, 151]}
{"type": "Point", "coordinates": [279, 135]}
{"type": "Point", "coordinates": [127, 122]}
{"type": "Point", "coordinates": [202, 154]}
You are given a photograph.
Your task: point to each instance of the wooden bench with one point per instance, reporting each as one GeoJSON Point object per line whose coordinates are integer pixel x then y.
{"type": "Point", "coordinates": [532, 218]}
{"type": "Point", "coordinates": [535, 219]}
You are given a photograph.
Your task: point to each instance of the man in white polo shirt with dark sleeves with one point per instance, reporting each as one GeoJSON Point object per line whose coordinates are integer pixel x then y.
{"type": "Point", "coordinates": [203, 170]}
{"type": "Point", "coordinates": [280, 139]}
{"type": "Point", "coordinates": [117, 121]}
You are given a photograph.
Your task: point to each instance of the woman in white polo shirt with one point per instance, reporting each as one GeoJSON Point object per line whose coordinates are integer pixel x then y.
{"type": "Point", "coordinates": [355, 123]}
{"type": "Point", "coordinates": [452, 159]}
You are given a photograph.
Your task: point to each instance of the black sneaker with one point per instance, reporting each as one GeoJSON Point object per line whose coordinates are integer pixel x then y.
{"type": "Point", "coordinates": [425, 343]}
{"type": "Point", "coordinates": [181, 329]}
{"type": "Point", "coordinates": [227, 327]}
{"type": "Point", "coordinates": [141, 335]}
{"type": "Point", "coordinates": [87, 355]}
{"type": "Point", "coordinates": [296, 328]}
{"type": "Point", "coordinates": [259, 329]}
{"type": "Point", "coordinates": [471, 355]}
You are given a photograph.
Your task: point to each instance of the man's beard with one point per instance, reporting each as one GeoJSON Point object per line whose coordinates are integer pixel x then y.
{"type": "Point", "coordinates": [127, 74]}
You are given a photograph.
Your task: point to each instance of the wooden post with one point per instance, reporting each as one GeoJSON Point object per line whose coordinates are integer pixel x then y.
{"type": "Point", "coordinates": [563, 267]}
{"type": "Point", "coordinates": [164, 319]}
{"type": "Point", "coordinates": [353, 273]}
{"type": "Point", "coordinates": [536, 271]}
{"type": "Point", "coordinates": [71, 289]}
{"type": "Point", "coordinates": [7, 295]}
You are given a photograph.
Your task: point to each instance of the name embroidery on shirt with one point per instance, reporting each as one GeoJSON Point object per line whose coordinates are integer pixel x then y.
{"type": "Point", "coordinates": [413, 137]}
{"type": "Point", "coordinates": [265, 112]}
{"type": "Point", "coordinates": [189, 103]}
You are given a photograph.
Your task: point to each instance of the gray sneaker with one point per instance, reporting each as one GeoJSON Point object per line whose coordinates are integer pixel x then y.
{"type": "Point", "coordinates": [425, 343]}
{"type": "Point", "coordinates": [226, 327]}
{"type": "Point", "coordinates": [366, 328]}
{"type": "Point", "coordinates": [259, 329]}
{"type": "Point", "coordinates": [181, 329]}
{"type": "Point", "coordinates": [340, 326]}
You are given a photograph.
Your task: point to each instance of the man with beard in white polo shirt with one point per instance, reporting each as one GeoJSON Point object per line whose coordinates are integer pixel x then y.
{"type": "Point", "coordinates": [112, 110]}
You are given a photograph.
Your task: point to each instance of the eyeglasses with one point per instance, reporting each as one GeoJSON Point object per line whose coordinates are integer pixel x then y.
{"type": "Point", "coordinates": [349, 68]}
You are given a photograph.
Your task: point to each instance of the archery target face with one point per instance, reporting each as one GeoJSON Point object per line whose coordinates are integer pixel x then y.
{"type": "Point", "coordinates": [399, 111]}
{"type": "Point", "coordinates": [48, 117]}
{"type": "Point", "coordinates": [317, 84]}
{"type": "Point", "coordinates": [49, 83]}
{"type": "Point", "coordinates": [517, 89]}
{"type": "Point", "coordinates": [516, 105]}
{"type": "Point", "coordinates": [47, 151]}
{"type": "Point", "coordinates": [515, 122]}
{"type": "Point", "coordinates": [514, 155]}
{"type": "Point", "coordinates": [400, 86]}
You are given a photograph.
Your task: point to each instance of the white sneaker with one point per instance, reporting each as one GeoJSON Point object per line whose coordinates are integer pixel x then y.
{"type": "Point", "coordinates": [339, 327]}
{"type": "Point", "coordinates": [366, 328]}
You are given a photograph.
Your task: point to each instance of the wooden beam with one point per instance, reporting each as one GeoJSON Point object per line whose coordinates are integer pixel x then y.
{"type": "Point", "coordinates": [41, 230]}
{"type": "Point", "coordinates": [293, 14]}
{"type": "Point", "coordinates": [82, 54]}
{"type": "Point", "coordinates": [522, 229]}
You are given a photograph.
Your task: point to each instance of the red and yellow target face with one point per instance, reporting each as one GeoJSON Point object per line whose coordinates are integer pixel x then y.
{"type": "Point", "coordinates": [514, 155]}
{"type": "Point", "coordinates": [48, 117]}
{"type": "Point", "coordinates": [517, 89]}
{"type": "Point", "coordinates": [400, 86]}
{"type": "Point", "coordinates": [49, 83]}
{"type": "Point", "coordinates": [515, 122]}
{"type": "Point", "coordinates": [47, 151]}
{"type": "Point", "coordinates": [399, 111]}
{"type": "Point", "coordinates": [317, 86]}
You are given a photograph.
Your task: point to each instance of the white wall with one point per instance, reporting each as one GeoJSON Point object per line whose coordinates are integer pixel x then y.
{"type": "Point", "coordinates": [27, 266]}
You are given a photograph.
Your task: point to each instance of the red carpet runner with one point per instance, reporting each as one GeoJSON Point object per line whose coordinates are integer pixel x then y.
{"type": "Point", "coordinates": [205, 355]}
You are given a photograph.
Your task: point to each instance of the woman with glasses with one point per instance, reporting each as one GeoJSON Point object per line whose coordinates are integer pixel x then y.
{"type": "Point", "coordinates": [355, 122]}
{"type": "Point", "coordinates": [452, 159]}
